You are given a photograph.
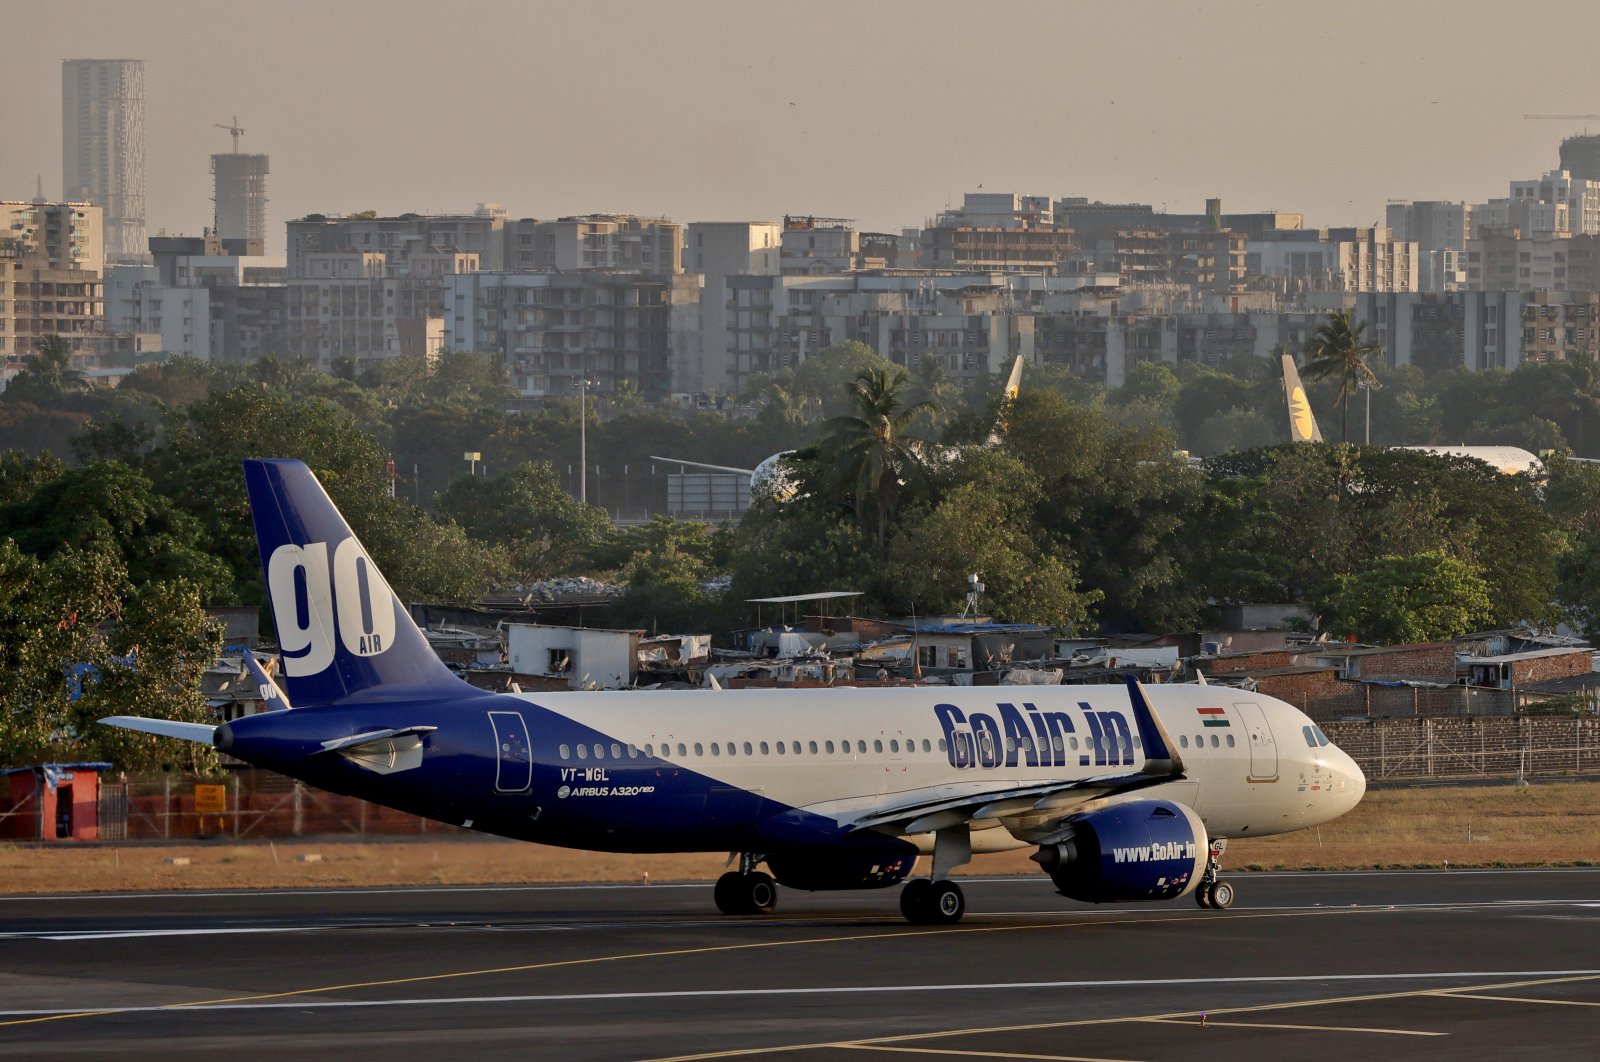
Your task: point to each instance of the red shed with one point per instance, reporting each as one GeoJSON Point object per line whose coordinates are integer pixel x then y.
{"type": "Point", "coordinates": [51, 802]}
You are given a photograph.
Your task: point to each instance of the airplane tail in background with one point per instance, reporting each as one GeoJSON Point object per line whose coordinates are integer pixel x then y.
{"type": "Point", "coordinates": [1302, 423]}
{"type": "Point", "coordinates": [1013, 388]}
{"type": "Point", "coordinates": [341, 630]}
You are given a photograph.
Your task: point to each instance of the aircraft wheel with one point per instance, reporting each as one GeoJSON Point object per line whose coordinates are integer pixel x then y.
{"type": "Point", "coordinates": [914, 900]}
{"type": "Point", "coordinates": [1221, 895]}
{"type": "Point", "coordinates": [1202, 894]}
{"type": "Point", "coordinates": [729, 895]}
{"type": "Point", "coordinates": [758, 892]}
{"type": "Point", "coordinates": [946, 904]}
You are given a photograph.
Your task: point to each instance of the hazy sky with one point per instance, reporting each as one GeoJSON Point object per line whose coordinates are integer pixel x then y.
{"type": "Point", "coordinates": [880, 111]}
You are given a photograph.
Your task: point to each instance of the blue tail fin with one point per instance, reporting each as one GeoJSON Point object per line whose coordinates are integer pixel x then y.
{"type": "Point", "coordinates": [341, 630]}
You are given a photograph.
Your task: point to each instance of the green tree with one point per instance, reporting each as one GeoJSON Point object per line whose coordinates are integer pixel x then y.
{"type": "Point", "coordinates": [875, 459]}
{"type": "Point", "coordinates": [47, 376]}
{"type": "Point", "coordinates": [1338, 350]}
{"type": "Point", "coordinates": [1423, 597]}
{"type": "Point", "coordinates": [528, 512]}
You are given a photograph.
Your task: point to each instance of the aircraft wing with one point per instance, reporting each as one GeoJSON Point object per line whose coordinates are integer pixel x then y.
{"type": "Point", "coordinates": [204, 733]}
{"type": "Point", "coordinates": [1030, 808]}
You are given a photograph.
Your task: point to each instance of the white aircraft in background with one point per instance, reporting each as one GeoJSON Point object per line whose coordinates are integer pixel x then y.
{"type": "Point", "coordinates": [1507, 460]}
{"type": "Point", "coordinates": [769, 476]}
{"type": "Point", "coordinates": [1127, 793]}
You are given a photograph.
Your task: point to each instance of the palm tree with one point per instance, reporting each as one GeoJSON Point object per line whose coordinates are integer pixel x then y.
{"type": "Point", "coordinates": [1337, 348]}
{"type": "Point", "coordinates": [873, 456]}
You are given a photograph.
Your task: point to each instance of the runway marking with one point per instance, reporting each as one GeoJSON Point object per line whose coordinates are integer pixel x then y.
{"type": "Point", "coordinates": [824, 990]}
{"type": "Point", "coordinates": [1524, 999]}
{"type": "Point", "coordinates": [1125, 1019]}
{"type": "Point", "coordinates": [712, 949]}
{"type": "Point", "coordinates": [1275, 1025]}
{"type": "Point", "coordinates": [126, 934]}
{"type": "Point", "coordinates": [977, 1054]}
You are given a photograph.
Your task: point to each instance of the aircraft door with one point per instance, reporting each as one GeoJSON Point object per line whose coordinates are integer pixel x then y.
{"type": "Point", "coordinates": [1263, 750]}
{"type": "Point", "coordinates": [513, 755]}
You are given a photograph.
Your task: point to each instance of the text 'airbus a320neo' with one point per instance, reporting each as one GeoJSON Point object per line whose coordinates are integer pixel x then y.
{"type": "Point", "coordinates": [1128, 793]}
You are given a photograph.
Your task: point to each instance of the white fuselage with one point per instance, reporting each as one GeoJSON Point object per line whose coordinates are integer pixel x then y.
{"type": "Point", "coordinates": [1252, 765]}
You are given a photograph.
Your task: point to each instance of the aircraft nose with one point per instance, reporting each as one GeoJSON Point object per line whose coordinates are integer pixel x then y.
{"type": "Point", "coordinates": [1355, 777]}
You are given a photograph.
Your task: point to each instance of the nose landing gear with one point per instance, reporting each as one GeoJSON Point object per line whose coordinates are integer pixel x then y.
{"type": "Point", "coordinates": [1213, 893]}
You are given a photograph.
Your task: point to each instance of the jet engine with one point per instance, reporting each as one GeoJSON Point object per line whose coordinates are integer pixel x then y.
{"type": "Point", "coordinates": [1141, 850]}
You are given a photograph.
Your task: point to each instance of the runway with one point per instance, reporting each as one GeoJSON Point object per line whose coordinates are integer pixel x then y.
{"type": "Point", "coordinates": [1415, 965]}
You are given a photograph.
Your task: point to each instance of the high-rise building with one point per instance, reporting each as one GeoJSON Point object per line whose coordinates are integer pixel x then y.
{"type": "Point", "coordinates": [1580, 156]}
{"type": "Point", "coordinates": [240, 183]}
{"type": "Point", "coordinates": [102, 146]}
{"type": "Point", "coordinates": [67, 234]}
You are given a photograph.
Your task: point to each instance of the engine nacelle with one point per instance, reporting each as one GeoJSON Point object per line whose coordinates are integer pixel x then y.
{"type": "Point", "coordinates": [1142, 850]}
{"type": "Point", "coordinates": [826, 869]}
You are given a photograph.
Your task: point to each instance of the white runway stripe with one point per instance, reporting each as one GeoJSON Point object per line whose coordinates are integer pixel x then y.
{"type": "Point", "coordinates": [309, 1003]}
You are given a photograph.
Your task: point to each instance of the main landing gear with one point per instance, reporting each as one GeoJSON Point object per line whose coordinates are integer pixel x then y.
{"type": "Point", "coordinates": [747, 890]}
{"type": "Point", "coordinates": [936, 900]}
{"type": "Point", "coordinates": [932, 903]}
{"type": "Point", "coordinates": [1212, 892]}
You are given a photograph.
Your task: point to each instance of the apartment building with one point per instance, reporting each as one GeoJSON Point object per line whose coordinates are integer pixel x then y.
{"type": "Point", "coordinates": [68, 235]}
{"type": "Point", "coordinates": [481, 233]}
{"type": "Point", "coordinates": [1202, 262]}
{"type": "Point", "coordinates": [1334, 260]}
{"type": "Point", "coordinates": [354, 306]}
{"type": "Point", "coordinates": [1443, 330]}
{"type": "Point", "coordinates": [162, 317]}
{"type": "Point", "coordinates": [37, 300]}
{"type": "Point", "coordinates": [554, 330]}
{"type": "Point", "coordinates": [715, 251]}
{"type": "Point", "coordinates": [102, 147]}
{"type": "Point", "coordinates": [1509, 259]}
{"type": "Point", "coordinates": [622, 243]}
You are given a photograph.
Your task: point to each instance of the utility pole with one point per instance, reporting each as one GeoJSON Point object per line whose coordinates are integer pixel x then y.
{"type": "Point", "coordinates": [583, 440]}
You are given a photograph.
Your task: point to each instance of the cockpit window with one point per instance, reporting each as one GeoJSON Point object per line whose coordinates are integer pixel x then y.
{"type": "Point", "coordinates": [1322, 739]}
{"type": "Point", "coordinates": [1311, 739]}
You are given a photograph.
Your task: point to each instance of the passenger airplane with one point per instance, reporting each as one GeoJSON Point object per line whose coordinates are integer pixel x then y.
{"type": "Point", "coordinates": [1128, 793]}
{"type": "Point", "coordinates": [1507, 460]}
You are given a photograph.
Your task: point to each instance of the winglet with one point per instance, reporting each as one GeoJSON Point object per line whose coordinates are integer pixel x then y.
{"type": "Point", "coordinates": [1160, 757]}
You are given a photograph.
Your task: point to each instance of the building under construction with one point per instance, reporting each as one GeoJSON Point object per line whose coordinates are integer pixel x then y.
{"type": "Point", "coordinates": [240, 196]}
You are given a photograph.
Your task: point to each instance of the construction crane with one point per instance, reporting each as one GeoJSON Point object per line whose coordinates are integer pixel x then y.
{"type": "Point", "coordinates": [1557, 118]}
{"type": "Point", "coordinates": [234, 129]}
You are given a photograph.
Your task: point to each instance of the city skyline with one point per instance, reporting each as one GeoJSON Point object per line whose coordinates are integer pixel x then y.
{"type": "Point", "coordinates": [731, 111]}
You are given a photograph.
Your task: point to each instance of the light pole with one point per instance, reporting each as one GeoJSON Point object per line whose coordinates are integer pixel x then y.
{"type": "Point", "coordinates": [583, 440]}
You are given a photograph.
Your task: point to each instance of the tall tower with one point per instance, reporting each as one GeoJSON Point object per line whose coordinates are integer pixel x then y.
{"type": "Point", "coordinates": [102, 146]}
{"type": "Point", "coordinates": [1580, 156]}
{"type": "Point", "coordinates": [240, 183]}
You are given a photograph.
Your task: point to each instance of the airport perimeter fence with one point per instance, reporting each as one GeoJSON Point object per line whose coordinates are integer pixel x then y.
{"type": "Point", "coordinates": [1466, 748]}
{"type": "Point", "coordinates": [253, 804]}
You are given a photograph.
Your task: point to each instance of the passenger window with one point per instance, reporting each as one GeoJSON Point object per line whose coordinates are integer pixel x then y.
{"type": "Point", "coordinates": [942, 747]}
{"type": "Point", "coordinates": [1183, 741]}
{"type": "Point", "coordinates": [747, 750]}
{"type": "Point", "coordinates": [633, 752]}
{"type": "Point", "coordinates": [565, 752]}
{"type": "Point", "coordinates": [813, 747]}
{"type": "Point", "coordinates": [1214, 741]}
{"type": "Point", "coordinates": [828, 746]}
{"type": "Point", "coordinates": [877, 745]}
{"type": "Point", "coordinates": [1074, 744]}
{"type": "Point", "coordinates": [925, 746]}
{"type": "Point", "coordinates": [698, 751]}
{"type": "Point", "coordinates": [616, 751]}
{"type": "Point", "coordinates": [1230, 741]}
{"type": "Point", "coordinates": [583, 752]}
{"type": "Point", "coordinates": [681, 750]}
{"type": "Point", "coordinates": [780, 747]}
{"type": "Point", "coordinates": [599, 751]}
{"type": "Point", "coordinates": [1138, 744]}
{"type": "Point", "coordinates": [861, 747]}
{"type": "Point", "coordinates": [1056, 743]}
{"type": "Point", "coordinates": [716, 749]}
{"type": "Point", "coordinates": [894, 745]}
{"type": "Point", "coordinates": [1199, 741]}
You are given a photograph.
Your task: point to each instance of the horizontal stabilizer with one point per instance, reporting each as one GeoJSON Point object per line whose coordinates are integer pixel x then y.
{"type": "Point", "coordinates": [372, 737]}
{"type": "Point", "coordinates": [204, 733]}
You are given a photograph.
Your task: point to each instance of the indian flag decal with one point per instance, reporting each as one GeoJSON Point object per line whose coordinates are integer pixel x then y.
{"type": "Point", "coordinates": [1213, 716]}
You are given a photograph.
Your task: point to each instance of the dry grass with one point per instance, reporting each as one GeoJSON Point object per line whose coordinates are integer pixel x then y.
{"type": "Point", "coordinates": [1490, 826]}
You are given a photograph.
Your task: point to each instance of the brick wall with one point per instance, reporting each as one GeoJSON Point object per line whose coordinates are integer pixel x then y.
{"type": "Point", "coordinates": [1544, 668]}
{"type": "Point", "coordinates": [1436, 663]}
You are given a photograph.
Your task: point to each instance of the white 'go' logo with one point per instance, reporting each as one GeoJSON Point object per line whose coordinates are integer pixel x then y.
{"type": "Point", "coordinates": [357, 590]}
